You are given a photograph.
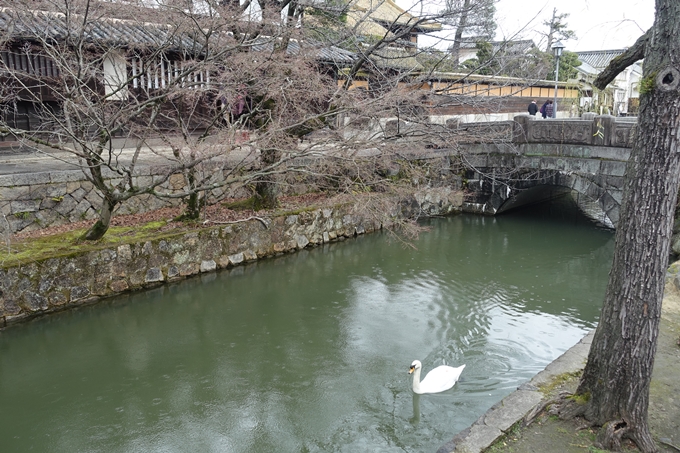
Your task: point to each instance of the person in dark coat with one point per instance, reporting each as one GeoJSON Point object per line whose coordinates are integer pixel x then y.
{"type": "Point", "coordinates": [533, 108]}
{"type": "Point", "coordinates": [545, 104]}
{"type": "Point", "coordinates": [549, 109]}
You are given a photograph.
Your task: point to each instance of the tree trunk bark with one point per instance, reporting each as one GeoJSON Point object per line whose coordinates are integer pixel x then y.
{"type": "Point", "coordinates": [616, 378]}
{"type": "Point", "coordinates": [101, 226]}
{"type": "Point", "coordinates": [193, 201]}
{"type": "Point", "coordinates": [458, 37]}
{"type": "Point", "coordinates": [266, 187]}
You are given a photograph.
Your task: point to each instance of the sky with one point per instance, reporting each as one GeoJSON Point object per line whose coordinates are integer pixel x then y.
{"type": "Point", "coordinates": [598, 24]}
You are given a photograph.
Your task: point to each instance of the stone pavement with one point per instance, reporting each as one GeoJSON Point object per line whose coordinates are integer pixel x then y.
{"type": "Point", "coordinates": [21, 162]}
{"type": "Point", "coordinates": [16, 162]}
{"type": "Point", "coordinates": [499, 429]}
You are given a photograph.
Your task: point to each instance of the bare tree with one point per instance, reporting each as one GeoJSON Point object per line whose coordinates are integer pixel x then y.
{"type": "Point", "coordinates": [219, 99]}
{"type": "Point", "coordinates": [170, 83]}
{"type": "Point", "coordinates": [614, 389]}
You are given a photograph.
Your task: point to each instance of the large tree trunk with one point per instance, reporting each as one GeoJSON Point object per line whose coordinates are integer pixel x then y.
{"type": "Point", "coordinates": [551, 32]}
{"type": "Point", "coordinates": [458, 37]}
{"type": "Point", "coordinates": [616, 379]}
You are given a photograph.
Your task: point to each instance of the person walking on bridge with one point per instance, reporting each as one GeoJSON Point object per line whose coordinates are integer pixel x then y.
{"type": "Point", "coordinates": [549, 109]}
{"type": "Point", "coordinates": [533, 108]}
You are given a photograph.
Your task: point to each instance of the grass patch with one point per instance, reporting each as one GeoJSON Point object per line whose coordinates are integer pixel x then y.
{"type": "Point", "coordinates": [294, 211]}
{"type": "Point", "coordinates": [242, 205]}
{"type": "Point", "coordinates": [503, 444]}
{"type": "Point", "coordinates": [70, 243]}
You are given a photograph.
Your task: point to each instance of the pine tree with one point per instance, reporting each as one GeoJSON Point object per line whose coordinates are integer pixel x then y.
{"type": "Point", "coordinates": [471, 18]}
{"type": "Point", "coordinates": [557, 29]}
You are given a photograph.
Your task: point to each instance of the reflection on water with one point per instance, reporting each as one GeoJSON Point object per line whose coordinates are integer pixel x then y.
{"type": "Point", "coordinates": [310, 352]}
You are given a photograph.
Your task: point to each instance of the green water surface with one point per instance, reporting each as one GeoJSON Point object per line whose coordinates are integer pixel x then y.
{"type": "Point", "coordinates": [309, 352]}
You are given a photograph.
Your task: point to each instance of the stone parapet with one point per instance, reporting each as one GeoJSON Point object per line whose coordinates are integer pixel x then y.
{"type": "Point", "coordinates": [602, 130]}
{"type": "Point", "coordinates": [589, 130]}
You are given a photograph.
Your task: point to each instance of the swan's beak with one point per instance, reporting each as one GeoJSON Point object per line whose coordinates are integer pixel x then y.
{"type": "Point", "coordinates": [411, 369]}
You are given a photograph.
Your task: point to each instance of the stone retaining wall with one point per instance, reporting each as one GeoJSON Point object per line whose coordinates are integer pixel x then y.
{"type": "Point", "coordinates": [57, 283]}
{"type": "Point", "coordinates": [31, 201]}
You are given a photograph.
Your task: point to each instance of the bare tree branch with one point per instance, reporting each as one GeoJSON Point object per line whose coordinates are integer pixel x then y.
{"type": "Point", "coordinates": [634, 53]}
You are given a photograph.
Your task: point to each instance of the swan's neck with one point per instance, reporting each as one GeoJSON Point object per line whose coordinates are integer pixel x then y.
{"type": "Point", "coordinates": [416, 380]}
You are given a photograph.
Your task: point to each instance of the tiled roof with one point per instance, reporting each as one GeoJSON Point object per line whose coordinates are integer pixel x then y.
{"type": "Point", "coordinates": [387, 12]}
{"type": "Point", "coordinates": [329, 54]}
{"type": "Point", "coordinates": [586, 68]}
{"type": "Point", "coordinates": [46, 25]}
{"type": "Point", "coordinates": [110, 32]}
{"type": "Point", "coordinates": [514, 47]}
{"type": "Point", "coordinates": [599, 59]}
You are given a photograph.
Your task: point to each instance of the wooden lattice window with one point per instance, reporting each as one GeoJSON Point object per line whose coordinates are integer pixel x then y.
{"type": "Point", "coordinates": [160, 72]}
{"type": "Point", "coordinates": [32, 64]}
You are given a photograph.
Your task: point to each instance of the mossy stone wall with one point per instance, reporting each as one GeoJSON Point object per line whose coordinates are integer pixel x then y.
{"type": "Point", "coordinates": [54, 284]}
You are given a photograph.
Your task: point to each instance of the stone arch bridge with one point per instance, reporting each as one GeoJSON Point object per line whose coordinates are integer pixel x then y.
{"type": "Point", "coordinates": [514, 163]}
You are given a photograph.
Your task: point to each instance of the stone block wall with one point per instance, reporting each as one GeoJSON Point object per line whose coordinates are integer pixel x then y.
{"type": "Point", "coordinates": [54, 284]}
{"type": "Point", "coordinates": [30, 201]}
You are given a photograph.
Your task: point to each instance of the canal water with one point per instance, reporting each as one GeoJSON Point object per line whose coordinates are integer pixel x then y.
{"type": "Point", "coordinates": [309, 352]}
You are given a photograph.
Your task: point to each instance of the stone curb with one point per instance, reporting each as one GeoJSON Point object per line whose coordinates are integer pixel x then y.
{"type": "Point", "coordinates": [514, 407]}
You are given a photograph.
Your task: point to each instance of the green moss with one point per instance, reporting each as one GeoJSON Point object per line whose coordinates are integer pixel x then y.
{"type": "Point", "coordinates": [581, 399]}
{"type": "Point", "coordinates": [72, 244]}
{"type": "Point", "coordinates": [648, 83]}
{"type": "Point", "coordinates": [153, 225]}
{"type": "Point", "coordinates": [559, 381]}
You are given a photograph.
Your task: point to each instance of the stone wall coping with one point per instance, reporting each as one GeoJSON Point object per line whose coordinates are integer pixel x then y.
{"type": "Point", "coordinates": [498, 420]}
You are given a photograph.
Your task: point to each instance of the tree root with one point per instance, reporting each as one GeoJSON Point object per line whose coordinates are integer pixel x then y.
{"type": "Point", "coordinates": [611, 434]}
{"type": "Point", "coordinates": [535, 412]}
{"type": "Point", "coordinates": [554, 405]}
{"type": "Point", "coordinates": [668, 443]}
{"type": "Point", "coordinates": [567, 408]}
{"type": "Point", "coordinates": [609, 437]}
{"type": "Point", "coordinates": [264, 222]}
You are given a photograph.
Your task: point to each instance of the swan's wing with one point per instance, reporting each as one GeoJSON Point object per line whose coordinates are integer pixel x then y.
{"type": "Point", "coordinates": [440, 379]}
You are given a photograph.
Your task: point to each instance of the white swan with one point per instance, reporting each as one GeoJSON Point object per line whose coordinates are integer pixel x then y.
{"type": "Point", "coordinates": [440, 379]}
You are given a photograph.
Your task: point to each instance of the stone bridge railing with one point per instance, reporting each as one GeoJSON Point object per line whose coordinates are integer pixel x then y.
{"type": "Point", "coordinates": [589, 130]}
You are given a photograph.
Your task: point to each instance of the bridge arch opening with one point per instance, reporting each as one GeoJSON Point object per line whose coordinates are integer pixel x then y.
{"type": "Point", "coordinates": [545, 193]}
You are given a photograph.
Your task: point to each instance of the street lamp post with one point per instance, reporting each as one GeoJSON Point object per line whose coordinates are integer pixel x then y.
{"type": "Point", "coordinates": [557, 51]}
